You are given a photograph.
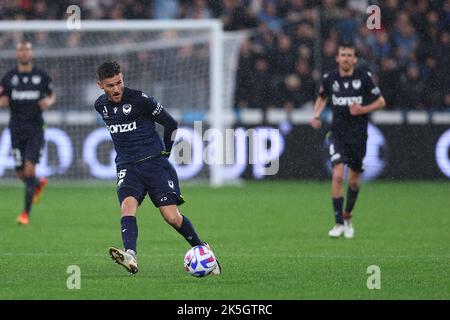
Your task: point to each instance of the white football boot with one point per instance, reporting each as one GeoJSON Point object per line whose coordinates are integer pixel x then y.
{"type": "Point", "coordinates": [337, 231]}
{"type": "Point", "coordinates": [218, 269]}
{"type": "Point", "coordinates": [125, 258]}
{"type": "Point", "coordinates": [349, 232]}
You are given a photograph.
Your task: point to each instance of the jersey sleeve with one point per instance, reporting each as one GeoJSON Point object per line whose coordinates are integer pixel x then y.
{"type": "Point", "coordinates": [47, 86]}
{"type": "Point", "coordinates": [324, 90]}
{"type": "Point", "coordinates": [155, 111]}
{"type": "Point", "coordinates": [371, 90]}
{"type": "Point", "coordinates": [97, 105]}
{"type": "Point", "coordinates": [150, 106]}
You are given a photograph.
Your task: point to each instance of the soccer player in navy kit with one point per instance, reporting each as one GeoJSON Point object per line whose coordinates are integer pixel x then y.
{"type": "Point", "coordinates": [352, 95]}
{"type": "Point", "coordinates": [142, 160]}
{"type": "Point", "coordinates": [28, 92]}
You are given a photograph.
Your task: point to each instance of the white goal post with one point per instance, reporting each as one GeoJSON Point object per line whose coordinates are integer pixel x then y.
{"type": "Point", "coordinates": [190, 64]}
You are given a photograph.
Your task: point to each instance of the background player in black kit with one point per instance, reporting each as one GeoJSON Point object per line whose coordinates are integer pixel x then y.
{"type": "Point", "coordinates": [352, 95]}
{"type": "Point", "coordinates": [28, 92]}
{"type": "Point", "coordinates": [142, 160]}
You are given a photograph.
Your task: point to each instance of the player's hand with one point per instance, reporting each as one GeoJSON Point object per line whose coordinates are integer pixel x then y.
{"type": "Point", "coordinates": [165, 154]}
{"type": "Point", "coordinates": [44, 104]}
{"type": "Point", "coordinates": [356, 109]}
{"type": "Point", "coordinates": [316, 123]}
{"type": "Point", "coordinates": [4, 102]}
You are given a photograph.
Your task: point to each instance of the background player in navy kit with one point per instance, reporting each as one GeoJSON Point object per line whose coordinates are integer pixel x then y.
{"type": "Point", "coordinates": [142, 160]}
{"type": "Point", "coordinates": [352, 95]}
{"type": "Point", "coordinates": [27, 90]}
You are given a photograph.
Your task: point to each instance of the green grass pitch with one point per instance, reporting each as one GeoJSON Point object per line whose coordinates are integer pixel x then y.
{"type": "Point", "coordinates": [271, 238]}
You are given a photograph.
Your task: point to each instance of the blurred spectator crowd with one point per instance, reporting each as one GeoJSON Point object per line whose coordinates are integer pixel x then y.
{"type": "Point", "coordinates": [292, 42]}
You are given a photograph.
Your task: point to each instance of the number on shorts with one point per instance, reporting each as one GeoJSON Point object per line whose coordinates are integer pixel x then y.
{"type": "Point", "coordinates": [121, 176]}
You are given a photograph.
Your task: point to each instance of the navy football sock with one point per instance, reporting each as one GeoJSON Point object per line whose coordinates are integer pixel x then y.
{"type": "Point", "coordinates": [338, 204]}
{"type": "Point", "coordinates": [352, 195]}
{"type": "Point", "coordinates": [30, 187]}
{"type": "Point", "coordinates": [129, 232]}
{"type": "Point", "coordinates": [188, 232]}
{"type": "Point", "coordinates": [37, 182]}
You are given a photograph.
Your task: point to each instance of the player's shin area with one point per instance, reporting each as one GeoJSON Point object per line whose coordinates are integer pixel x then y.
{"type": "Point", "coordinates": [170, 213]}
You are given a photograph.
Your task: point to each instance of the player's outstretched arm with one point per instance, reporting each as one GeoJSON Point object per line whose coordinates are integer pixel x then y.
{"type": "Point", "coordinates": [4, 101]}
{"type": "Point", "coordinates": [357, 110]}
{"type": "Point", "coordinates": [319, 105]}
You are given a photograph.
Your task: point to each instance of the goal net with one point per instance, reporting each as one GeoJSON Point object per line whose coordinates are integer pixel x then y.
{"type": "Point", "coordinates": [188, 65]}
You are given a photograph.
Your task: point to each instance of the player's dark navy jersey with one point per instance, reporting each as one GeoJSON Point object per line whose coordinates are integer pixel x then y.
{"type": "Point", "coordinates": [131, 123]}
{"type": "Point", "coordinates": [24, 90]}
{"type": "Point", "coordinates": [341, 93]}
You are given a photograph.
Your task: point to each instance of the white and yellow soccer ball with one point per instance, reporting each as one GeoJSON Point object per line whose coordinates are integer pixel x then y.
{"type": "Point", "coordinates": [199, 261]}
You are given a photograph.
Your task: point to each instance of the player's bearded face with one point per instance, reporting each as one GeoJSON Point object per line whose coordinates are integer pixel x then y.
{"type": "Point", "coordinates": [113, 87]}
{"type": "Point", "coordinates": [346, 59]}
{"type": "Point", "coordinates": [24, 53]}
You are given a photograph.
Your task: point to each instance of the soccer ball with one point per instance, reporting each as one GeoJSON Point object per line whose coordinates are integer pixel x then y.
{"type": "Point", "coordinates": [199, 261]}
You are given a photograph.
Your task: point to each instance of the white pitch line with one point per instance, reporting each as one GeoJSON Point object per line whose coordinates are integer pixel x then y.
{"type": "Point", "coordinates": [299, 256]}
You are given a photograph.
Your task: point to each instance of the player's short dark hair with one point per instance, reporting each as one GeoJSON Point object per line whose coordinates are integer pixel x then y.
{"type": "Point", "coordinates": [346, 44]}
{"type": "Point", "coordinates": [108, 69]}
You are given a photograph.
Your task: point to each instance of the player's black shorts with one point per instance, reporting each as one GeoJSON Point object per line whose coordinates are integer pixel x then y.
{"type": "Point", "coordinates": [26, 145]}
{"type": "Point", "coordinates": [155, 177]}
{"type": "Point", "coordinates": [350, 153]}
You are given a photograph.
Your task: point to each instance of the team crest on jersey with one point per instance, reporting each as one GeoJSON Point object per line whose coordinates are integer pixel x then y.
{"type": "Point", "coordinates": [335, 86]}
{"type": "Point", "coordinates": [356, 84]}
{"type": "Point", "coordinates": [126, 109]}
{"type": "Point", "coordinates": [36, 79]}
{"type": "Point", "coordinates": [14, 80]}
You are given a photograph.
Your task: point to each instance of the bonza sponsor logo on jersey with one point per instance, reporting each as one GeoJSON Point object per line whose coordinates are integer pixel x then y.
{"type": "Point", "coordinates": [121, 128]}
{"type": "Point", "coordinates": [25, 94]}
{"type": "Point", "coordinates": [346, 101]}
